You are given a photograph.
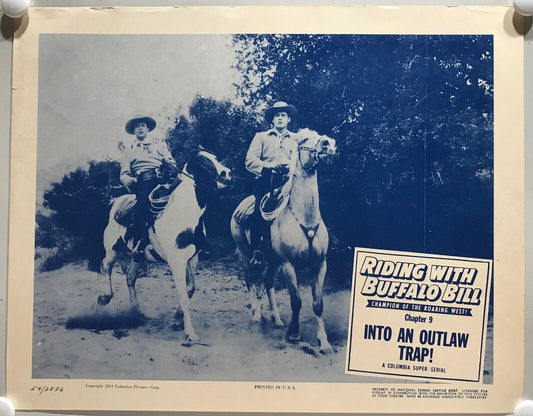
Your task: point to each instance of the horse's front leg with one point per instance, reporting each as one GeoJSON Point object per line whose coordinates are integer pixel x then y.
{"type": "Point", "coordinates": [178, 264]}
{"type": "Point", "coordinates": [318, 308]}
{"type": "Point", "coordinates": [254, 303]}
{"type": "Point", "coordinates": [131, 279]}
{"type": "Point", "coordinates": [270, 278]}
{"type": "Point", "coordinates": [293, 332]}
{"type": "Point", "coordinates": [111, 235]}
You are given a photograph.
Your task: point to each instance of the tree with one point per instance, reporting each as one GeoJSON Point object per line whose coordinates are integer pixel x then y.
{"type": "Point", "coordinates": [78, 206]}
{"type": "Point", "coordinates": [79, 209]}
{"type": "Point", "coordinates": [413, 119]}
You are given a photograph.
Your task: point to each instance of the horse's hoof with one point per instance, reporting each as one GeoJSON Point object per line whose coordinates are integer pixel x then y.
{"type": "Point", "coordinates": [294, 339]}
{"type": "Point", "coordinates": [278, 323]}
{"type": "Point", "coordinates": [255, 325]}
{"type": "Point", "coordinates": [191, 340]}
{"type": "Point", "coordinates": [327, 350]}
{"type": "Point", "coordinates": [104, 299]}
{"type": "Point", "coordinates": [309, 350]}
{"type": "Point", "coordinates": [190, 292]}
{"type": "Point", "coordinates": [256, 316]}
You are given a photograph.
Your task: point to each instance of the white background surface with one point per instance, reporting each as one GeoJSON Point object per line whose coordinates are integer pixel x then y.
{"type": "Point", "coordinates": [5, 114]}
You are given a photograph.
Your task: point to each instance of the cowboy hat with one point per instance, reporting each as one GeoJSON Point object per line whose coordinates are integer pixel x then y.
{"type": "Point", "coordinates": [278, 107]}
{"type": "Point", "coordinates": [150, 122]}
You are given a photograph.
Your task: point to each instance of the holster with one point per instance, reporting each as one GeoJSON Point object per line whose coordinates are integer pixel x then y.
{"type": "Point", "coordinates": [148, 175]}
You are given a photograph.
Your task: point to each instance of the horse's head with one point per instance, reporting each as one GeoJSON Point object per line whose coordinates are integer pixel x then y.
{"type": "Point", "coordinates": [313, 147]}
{"type": "Point", "coordinates": [208, 172]}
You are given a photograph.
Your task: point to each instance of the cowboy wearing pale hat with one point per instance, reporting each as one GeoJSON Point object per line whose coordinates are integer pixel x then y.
{"type": "Point", "coordinates": [268, 158]}
{"type": "Point", "coordinates": [141, 171]}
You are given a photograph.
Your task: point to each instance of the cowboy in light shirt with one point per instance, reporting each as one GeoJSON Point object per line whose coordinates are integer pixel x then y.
{"type": "Point", "coordinates": [268, 158]}
{"type": "Point", "coordinates": [141, 171]}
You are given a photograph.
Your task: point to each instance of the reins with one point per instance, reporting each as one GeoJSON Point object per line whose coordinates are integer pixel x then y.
{"type": "Point", "coordinates": [188, 175]}
{"type": "Point", "coordinates": [311, 150]}
{"type": "Point", "coordinates": [158, 203]}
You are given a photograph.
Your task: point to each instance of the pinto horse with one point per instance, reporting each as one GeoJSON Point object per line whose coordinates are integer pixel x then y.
{"type": "Point", "coordinates": [298, 235]}
{"type": "Point", "coordinates": [172, 234]}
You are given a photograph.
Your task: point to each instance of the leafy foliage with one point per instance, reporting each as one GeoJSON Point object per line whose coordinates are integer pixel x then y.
{"type": "Point", "coordinates": [79, 207]}
{"type": "Point", "coordinates": [413, 119]}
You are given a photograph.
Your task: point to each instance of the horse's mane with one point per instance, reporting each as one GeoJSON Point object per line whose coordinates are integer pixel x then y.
{"type": "Point", "coordinates": [305, 133]}
{"type": "Point", "coordinates": [299, 137]}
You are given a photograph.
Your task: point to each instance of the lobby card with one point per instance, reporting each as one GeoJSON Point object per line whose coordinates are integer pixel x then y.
{"type": "Point", "coordinates": [396, 129]}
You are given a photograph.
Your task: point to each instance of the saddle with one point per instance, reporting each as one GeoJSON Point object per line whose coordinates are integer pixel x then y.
{"type": "Point", "coordinates": [158, 201]}
{"type": "Point", "coordinates": [245, 211]}
{"type": "Point", "coordinates": [272, 204]}
{"type": "Point", "coordinates": [275, 201]}
{"type": "Point", "coordinates": [124, 210]}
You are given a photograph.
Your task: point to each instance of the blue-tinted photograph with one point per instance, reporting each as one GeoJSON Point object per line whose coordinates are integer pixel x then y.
{"type": "Point", "coordinates": [199, 197]}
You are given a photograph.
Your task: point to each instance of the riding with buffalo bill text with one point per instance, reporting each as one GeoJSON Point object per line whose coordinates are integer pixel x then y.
{"type": "Point", "coordinates": [403, 280]}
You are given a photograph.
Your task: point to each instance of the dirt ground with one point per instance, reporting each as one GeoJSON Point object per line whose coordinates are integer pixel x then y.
{"type": "Point", "coordinates": [73, 337]}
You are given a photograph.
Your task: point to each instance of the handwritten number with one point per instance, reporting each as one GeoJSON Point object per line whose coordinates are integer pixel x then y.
{"type": "Point", "coordinates": [44, 389]}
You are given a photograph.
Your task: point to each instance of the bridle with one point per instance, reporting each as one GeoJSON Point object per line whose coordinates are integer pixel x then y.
{"type": "Point", "coordinates": [191, 177]}
{"type": "Point", "coordinates": [182, 174]}
{"type": "Point", "coordinates": [314, 156]}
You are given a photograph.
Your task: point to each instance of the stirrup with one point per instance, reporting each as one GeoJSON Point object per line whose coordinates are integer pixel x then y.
{"type": "Point", "coordinates": [257, 262]}
{"type": "Point", "coordinates": [269, 203]}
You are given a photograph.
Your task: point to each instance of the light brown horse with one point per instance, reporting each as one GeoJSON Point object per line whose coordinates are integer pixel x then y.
{"type": "Point", "coordinates": [298, 235]}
